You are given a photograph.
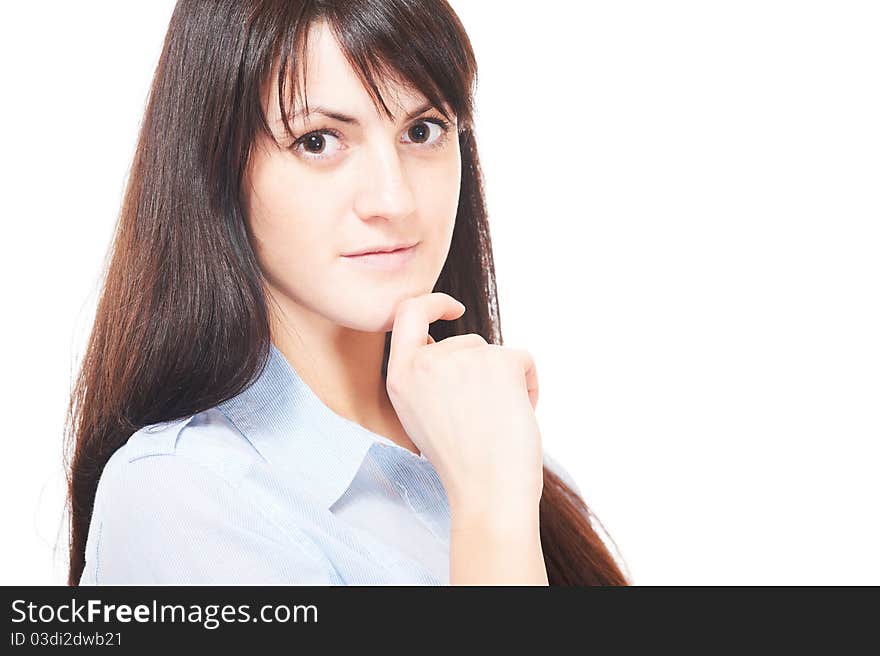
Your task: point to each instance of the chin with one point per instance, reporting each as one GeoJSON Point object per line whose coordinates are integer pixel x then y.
{"type": "Point", "coordinates": [376, 316]}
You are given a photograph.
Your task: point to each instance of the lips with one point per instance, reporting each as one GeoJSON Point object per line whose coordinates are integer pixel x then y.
{"type": "Point", "coordinates": [395, 260]}
{"type": "Point", "coordinates": [380, 249]}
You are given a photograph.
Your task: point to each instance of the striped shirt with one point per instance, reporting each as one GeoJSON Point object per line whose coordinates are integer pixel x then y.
{"type": "Point", "coordinates": [269, 487]}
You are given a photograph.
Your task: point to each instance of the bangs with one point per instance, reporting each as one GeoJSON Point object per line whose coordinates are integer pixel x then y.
{"type": "Point", "coordinates": [385, 44]}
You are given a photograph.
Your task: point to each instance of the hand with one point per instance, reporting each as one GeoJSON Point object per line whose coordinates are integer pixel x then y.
{"type": "Point", "coordinates": [467, 405]}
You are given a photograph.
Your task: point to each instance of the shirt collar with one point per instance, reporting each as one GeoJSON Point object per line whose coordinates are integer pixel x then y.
{"type": "Point", "coordinates": [291, 427]}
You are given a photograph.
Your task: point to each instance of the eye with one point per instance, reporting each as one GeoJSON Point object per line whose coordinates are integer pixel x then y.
{"type": "Point", "coordinates": [314, 144]}
{"type": "Point", "coordinates": [422, 136]}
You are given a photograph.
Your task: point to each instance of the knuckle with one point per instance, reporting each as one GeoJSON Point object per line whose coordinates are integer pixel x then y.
{"type": "Point", "coordinates": [506, 357]}
{"type": "Point", "coordinates": [392, 383]}
{"type": "Point", "coordinates": [489, 356]}
{"type": "Point", "coordinates": [423, 362]}
{"type": "Point", "coordinates": [524, 354]}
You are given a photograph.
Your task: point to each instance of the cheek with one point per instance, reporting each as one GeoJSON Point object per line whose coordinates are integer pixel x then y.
{"type": "Point", "coordinates": [441, 206]}
{"type": "Point", "coordinates": [293, 239]}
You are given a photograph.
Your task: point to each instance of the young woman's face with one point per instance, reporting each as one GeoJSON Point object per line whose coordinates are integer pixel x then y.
{"type": "Point", "coordinates": [371, 182]}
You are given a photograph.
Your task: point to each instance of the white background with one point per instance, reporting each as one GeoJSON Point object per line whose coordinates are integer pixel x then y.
{"type": "Point", "coordinates": [684, 200]}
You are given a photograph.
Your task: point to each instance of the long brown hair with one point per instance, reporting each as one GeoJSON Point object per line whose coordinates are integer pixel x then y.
{"type": "Point", "coordinates": [182, 322]}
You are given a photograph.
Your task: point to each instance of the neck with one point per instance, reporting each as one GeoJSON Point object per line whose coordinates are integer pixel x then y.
{"type": "Point", "coordinates": [342, 366]}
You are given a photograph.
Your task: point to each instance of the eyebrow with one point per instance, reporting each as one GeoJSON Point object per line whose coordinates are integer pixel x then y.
{"type": "Point", "coordinates": [345, 118]}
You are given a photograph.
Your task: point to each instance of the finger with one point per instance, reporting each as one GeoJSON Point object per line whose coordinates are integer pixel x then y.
{"type": "Point", "coordinates": [412, 319]}
{"type": "Point", "coordinates": [458, 342]}
{"type": "Point", "coordinates": [530, 371]}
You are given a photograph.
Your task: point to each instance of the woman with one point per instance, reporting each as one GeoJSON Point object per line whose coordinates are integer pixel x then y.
{"type": "Point", "coordinates": [261, 402]}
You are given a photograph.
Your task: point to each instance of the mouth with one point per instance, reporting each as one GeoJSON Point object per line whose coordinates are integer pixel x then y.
{"type": "Point", "coordinates": [393, 260]}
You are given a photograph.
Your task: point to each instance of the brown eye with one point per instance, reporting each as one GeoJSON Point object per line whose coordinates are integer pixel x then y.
{"type": "Point", "coordinates": [419, 133]}
{"type": "Point", "coordinates": [315, 143]}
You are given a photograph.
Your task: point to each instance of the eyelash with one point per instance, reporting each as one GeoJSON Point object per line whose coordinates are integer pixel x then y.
{"type": "Point", "coordinates": [444, 125]}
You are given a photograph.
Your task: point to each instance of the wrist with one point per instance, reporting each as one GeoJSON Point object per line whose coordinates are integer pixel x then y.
{"type": "Point", "coordinates": [504, 519]}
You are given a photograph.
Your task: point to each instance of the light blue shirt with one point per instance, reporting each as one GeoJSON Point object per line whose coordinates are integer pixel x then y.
{"type": "Point", "coordinates": [270, 487]}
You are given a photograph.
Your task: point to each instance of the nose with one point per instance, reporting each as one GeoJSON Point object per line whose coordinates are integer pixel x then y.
{"type": "Point", "coordinates": [385, 189]}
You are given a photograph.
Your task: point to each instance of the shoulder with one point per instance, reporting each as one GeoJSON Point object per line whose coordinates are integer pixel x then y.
{"type": "Point", "coordinates": [199, 457]}
{"type": "Point", "coordinates": [207, 439]}
{"type": "Point", "coordinates": [186, 472]}
{"type": "Point", "coordinates": [171, 508]}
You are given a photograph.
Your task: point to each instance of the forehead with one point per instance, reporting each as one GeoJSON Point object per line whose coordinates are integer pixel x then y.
{"type": "Point", "coordinates": [330, 81]}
